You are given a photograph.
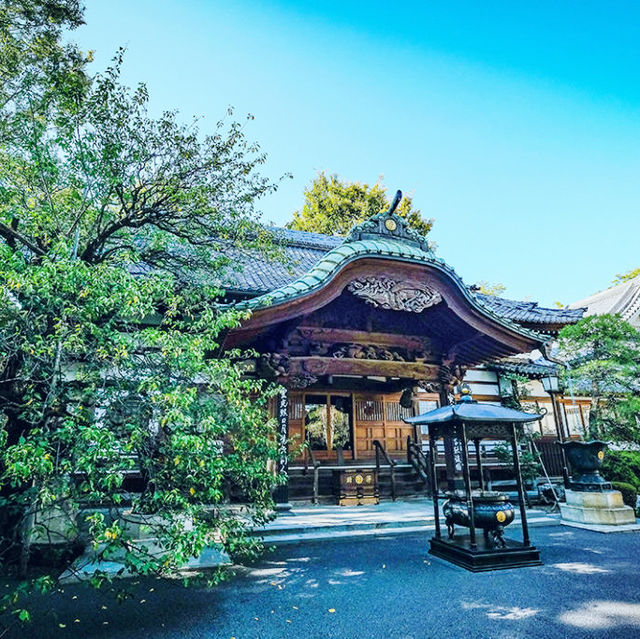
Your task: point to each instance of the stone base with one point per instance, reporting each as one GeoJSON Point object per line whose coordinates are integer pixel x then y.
{"type": "Point", "coordinates": [605, 508]}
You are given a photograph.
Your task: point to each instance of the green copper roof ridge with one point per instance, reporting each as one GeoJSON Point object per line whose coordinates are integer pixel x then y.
{"type": "Point", "coordinates": [415, 255]}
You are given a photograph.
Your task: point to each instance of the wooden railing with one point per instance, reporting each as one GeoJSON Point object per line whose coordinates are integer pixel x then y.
{"type": "Point", "coordinates": [380, 451]}
{"type": "Point", "coordinates": [417, 458]}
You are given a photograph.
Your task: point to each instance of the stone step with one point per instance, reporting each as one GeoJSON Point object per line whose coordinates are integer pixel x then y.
{"type": "Point", "coordinates": [309, 534]}
{"type": "Point", "coordinates": [295, 538]}
{"type": "Point", "coordinates": [282, 526]}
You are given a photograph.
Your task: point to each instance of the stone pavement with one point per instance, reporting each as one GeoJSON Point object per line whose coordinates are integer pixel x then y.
{"type": "Point", "coordinates": [317, 523]}
{"type": "Point", "coordinates": [379, 588]}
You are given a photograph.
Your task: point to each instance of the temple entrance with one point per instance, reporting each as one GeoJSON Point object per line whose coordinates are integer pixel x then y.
{"type": "Point", "coordinates": [328, 424]}
{"type": "Point", "coordinates": [329, 420]}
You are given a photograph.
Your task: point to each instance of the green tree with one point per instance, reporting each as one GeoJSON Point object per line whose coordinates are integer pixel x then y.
{"type": "Point", "coordinates": [36, 67]}
{"type": "Point", "coordinates": [332, 206]}
{"type": "Point", "coordinates": [513, 389]}
{"type": "Point", "coordinates": [113, 232]}
{"type": "Point", "coordinates": [603, 355]}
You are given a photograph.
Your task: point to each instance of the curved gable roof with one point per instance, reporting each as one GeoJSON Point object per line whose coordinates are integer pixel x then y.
{"type": "Point", "coordinates": [311, 256]}
{"type": "Point", "coordinates": [323, 272]}
{"type": "Point", "coordinates": [386, 238]}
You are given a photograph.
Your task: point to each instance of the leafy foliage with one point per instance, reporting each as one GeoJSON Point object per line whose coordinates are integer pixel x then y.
{"type": "Point", "coordinates": [622, 466]}
{"type": "Point", "coordinates": [603, 355]}
{"type": "Point", "coordinates": [118, 411]}
{"type": "Point", "coordinates": [35, 66]}
{"type": "Point", "coordinates": [332, 206]}
{"type": "Point", "coordinates": [529, 460]}
{"type": "Point", "coordinates": [530, 465]}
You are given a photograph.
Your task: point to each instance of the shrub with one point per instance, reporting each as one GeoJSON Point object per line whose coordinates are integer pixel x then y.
{"type": "Point", "coordinates": [622, 466]}
{"type": "Point", "coordinates": [629, 493]}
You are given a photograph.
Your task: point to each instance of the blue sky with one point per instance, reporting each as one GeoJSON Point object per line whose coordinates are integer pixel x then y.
{"type": "Point", "coordinates": [514, 124]}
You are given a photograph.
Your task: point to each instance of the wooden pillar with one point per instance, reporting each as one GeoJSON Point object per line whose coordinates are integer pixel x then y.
{"type": "Point", "coordinates": [281, 493]}
{"type": "Point", "coordinates": [467, 485]}
{"type": "Point", "coordinates": [516, 466]}
{"type": "Point", "coordinates": [433, 454]}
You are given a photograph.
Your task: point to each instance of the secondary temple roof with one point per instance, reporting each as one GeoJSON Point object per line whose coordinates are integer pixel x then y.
{"type": "Point", "coordinates": [623, 299]}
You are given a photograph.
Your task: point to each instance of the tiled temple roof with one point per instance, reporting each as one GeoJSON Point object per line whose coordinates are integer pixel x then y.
{"type": "Point", "coordinates": [530, 312]}
{"type": "Point", "coordinates": [534, 369]}
{"type": "Point", "coordinates": [623, 299]}
{"type": "Point", "coordinates": [255, 276]}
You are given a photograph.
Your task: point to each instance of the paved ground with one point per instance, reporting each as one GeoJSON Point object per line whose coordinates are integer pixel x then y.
{"type": "Point", "coordinates": [307, 523]}
{"type": "Point", "coordinates": [379, 588]}
{"type": "Point", "coordinates": [385, 512]}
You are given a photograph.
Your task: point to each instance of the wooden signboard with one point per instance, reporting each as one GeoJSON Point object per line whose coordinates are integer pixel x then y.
{"type": "Point", "coordinates": [356, 487]}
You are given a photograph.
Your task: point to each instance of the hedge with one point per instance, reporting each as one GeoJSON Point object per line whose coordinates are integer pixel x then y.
{"type": "Point", "coordinates": [622, 466]}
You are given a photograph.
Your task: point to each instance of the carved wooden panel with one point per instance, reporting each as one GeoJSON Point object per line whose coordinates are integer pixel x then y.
{"type": "Point", "coordinates": [384, 292]}
{"type": "Point", "coordinates": [319, 366]}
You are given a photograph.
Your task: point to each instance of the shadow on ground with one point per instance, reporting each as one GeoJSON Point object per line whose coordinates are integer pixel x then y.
{"type": "Point", "coordinates": [384, 587]}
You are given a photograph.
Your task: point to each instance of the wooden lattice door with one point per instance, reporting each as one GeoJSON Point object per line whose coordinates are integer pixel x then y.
{"type": "Point", "coordinates": [380, 417]}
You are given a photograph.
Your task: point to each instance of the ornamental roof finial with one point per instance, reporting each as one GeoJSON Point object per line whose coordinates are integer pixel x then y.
{"type": "Point", "coordinates": [394, 204]}
{"type": "Point", "coordinates": [389, 225]}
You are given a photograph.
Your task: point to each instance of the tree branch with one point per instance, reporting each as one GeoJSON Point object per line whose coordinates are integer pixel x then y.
{"type": "Point", "coordinates": [10, 234]}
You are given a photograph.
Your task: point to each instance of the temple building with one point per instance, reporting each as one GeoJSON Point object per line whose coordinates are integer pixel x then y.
{"type": "Point", "coordinates": [623, 300]}
{"type": "Point", "coordinates": [366, 330]}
